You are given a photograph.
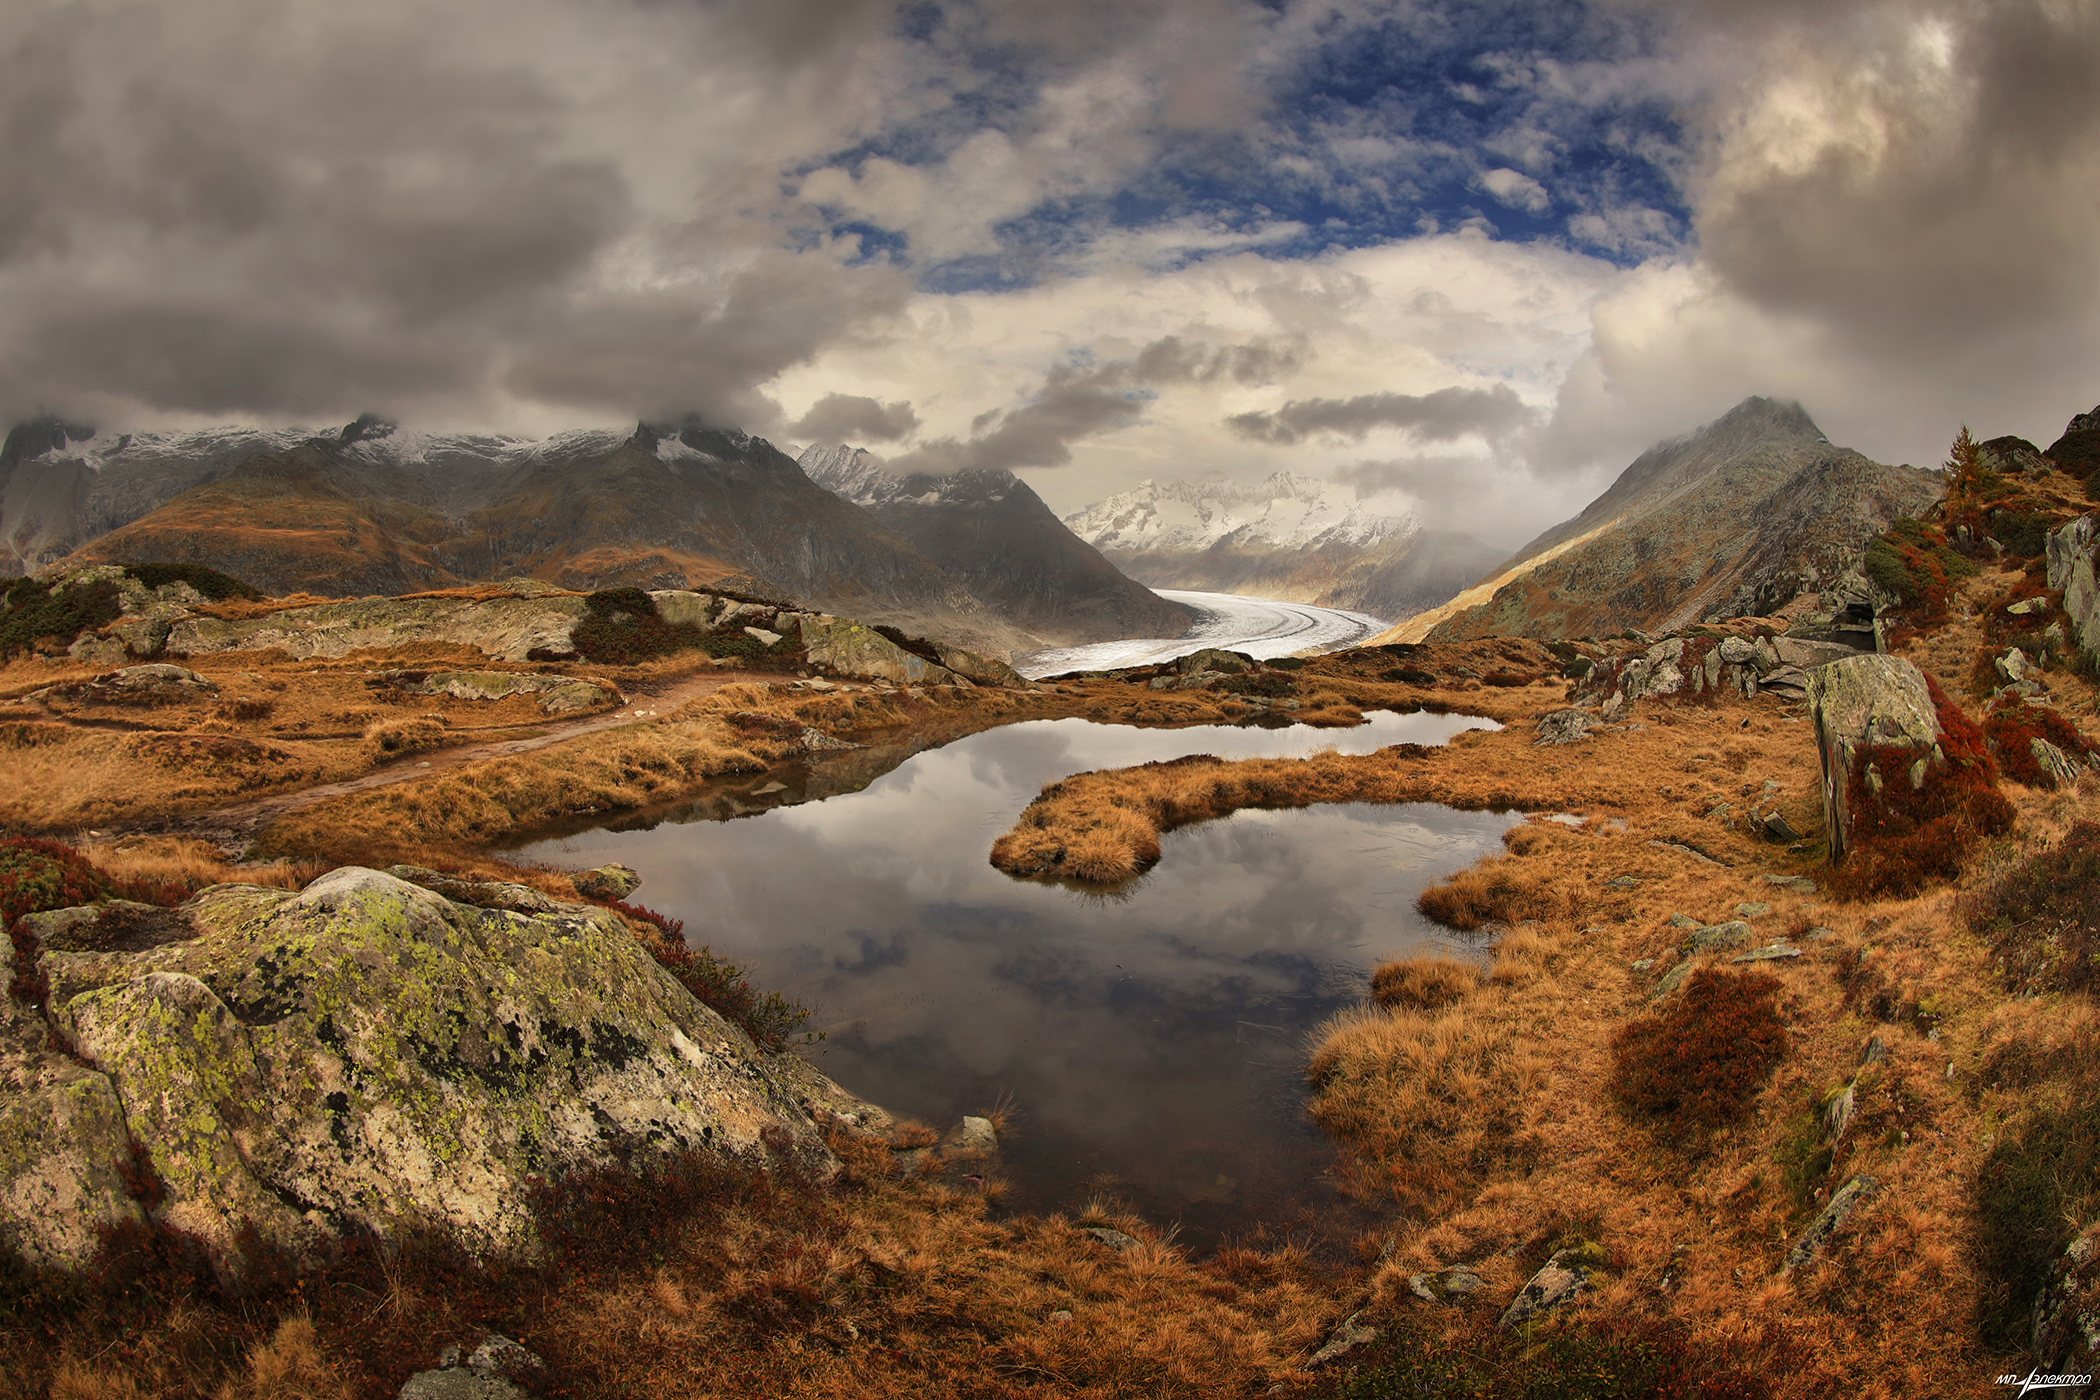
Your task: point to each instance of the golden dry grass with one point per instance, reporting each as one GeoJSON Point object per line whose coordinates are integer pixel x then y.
{"type": "Point", "coordinates": [1422, 984]}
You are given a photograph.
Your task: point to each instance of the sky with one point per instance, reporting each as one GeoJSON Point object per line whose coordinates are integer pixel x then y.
{"type": "Point", "coordinates": [1468, 257]}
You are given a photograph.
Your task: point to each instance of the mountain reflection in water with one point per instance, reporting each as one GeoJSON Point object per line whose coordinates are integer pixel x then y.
{"type": "Point", "coordinates": [1152, 1041]}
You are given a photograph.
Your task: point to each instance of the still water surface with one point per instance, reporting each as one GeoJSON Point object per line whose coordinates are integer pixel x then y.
{"type": "Point", "coordinates": [1152, 1042]}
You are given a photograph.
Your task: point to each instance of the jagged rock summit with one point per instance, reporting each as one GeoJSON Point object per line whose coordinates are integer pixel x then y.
{"type": "Point", "coordinates": [992, 534]}
{"type": "Point", "coordinates": [1732, 520]}
{"type": "Point", "coordinates": [1290, 537]}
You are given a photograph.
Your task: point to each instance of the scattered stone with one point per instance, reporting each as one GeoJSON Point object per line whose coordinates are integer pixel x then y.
{"type": "Point", "coordinates": [1350, 1335]}
{"type": "Point", "coordinates": [2063, 770]}
{"type": "Point", "coordinates": [1753, 909]}
{"type": "Point", "coordinates": [484, 1375]}
{"type": "Point", "coordinates": [1770, 953]}
{"type": "Point", "coordinates": [1684, 850]}
{"type": "Point", "coordinates": [607, 882]}
{"type": "Point", "coordinates": [1444, 1285]}
{"type": "Point", "coordinates": [1061, 1316]}
{"type": "Point", "coordinates": [2065, 1328]}
{"type": "Point", "coordinates": [1115, 1239]}
{"type": "Point", "coordinates": [817, 740]}
{"type": "Point", "coordinates": [1778, 828]}
{"type": "Point", "coordinates": [1877, 1049]}
{"type": "Point", "coordinates": [1622, 883]}
{"type": "Point", "coordinates": [1684, 921]}
{"type": "Point", "coordinates": [1829, 1222]}
{"type": "Point", "coordinates": [763, 636]}
{"type": "Point", "coordinates": [1798, 884]}
{"type": "Point", "coordinates": [1837, 1114]}
{"type": "Point", "coordinates": [973, 1137]}
{"type": "Point", "coordinates": [1564, 1275]}
{"type": "Point", "coordinates": [1563, 727]}
{"type": "Point", "coordinates": [1673, 979]}
{"type": "Point", "coordinates": [2012, 667]}
{"type": "Point", "coordinates": [1711, 936]}
{"type": "Point", "coordinates": [1821, 935]}
{"type": "Point", "coordinates": [1644, 964]}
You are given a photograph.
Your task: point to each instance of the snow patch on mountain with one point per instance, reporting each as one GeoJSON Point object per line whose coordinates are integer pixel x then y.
{"type": "Point", "coordinates": [1284, 512]}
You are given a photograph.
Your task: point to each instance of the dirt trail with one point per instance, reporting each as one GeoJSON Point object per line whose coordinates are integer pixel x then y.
{"type": "Point", "coordinates": [237, 821]}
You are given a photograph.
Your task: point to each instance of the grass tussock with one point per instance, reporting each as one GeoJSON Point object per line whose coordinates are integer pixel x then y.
{"type": "Point", "coordinates": [1500, 890]}
{"type": "Point", "coordinates": [1422, 984]}
{"type": "Point", "coordinates": [711, 1279]}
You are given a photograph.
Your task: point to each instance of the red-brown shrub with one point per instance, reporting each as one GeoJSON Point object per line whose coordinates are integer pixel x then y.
{"type": "Point", "coordinates": [2012, 724]}
{"type": "Point", "coordinates": [1699, 1064]}
{"type": "Point", "coordinates": [1902, 836]}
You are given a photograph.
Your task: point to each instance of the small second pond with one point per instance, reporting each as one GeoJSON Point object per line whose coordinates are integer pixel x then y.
{"type": "Point", "coordinates": [1151, 1042]}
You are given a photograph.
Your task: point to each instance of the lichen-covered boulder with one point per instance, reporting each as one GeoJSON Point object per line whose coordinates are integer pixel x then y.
{"type": "Point", "coordinates": [2070, 551]}
{"type": "Point", "coordinates": [557, 695]}
{"type": "Point", "coordinates": [1879, 703]}
{"type": "Point", "coordinates": [614, 881]}
{"type": "Point", "coordinates": [369, 1056]}
{"type": "Point", "coordinates": [850, 649]}
{"type": "Point", "coordinates": [980, 670]}
{"type": "Point", "coordinates": [509, 628]}
{"type": "Point", "coordinates": [63, 1142]}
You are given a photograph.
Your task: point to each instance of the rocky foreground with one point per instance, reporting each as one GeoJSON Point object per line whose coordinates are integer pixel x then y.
{"type": "Point", "coordinates": [361, 1058]}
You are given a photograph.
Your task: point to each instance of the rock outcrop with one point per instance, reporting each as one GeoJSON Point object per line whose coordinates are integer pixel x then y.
{"type": "Point", "coordinates": [2065, 1331]}
{"type": "Point", "coordinates": [557, 695]}
{"type": "Point", "coordinates": [1866, 709]}
{"type": "Point", "coordinates": [363, 1056]}
{"type": "Point", "coordinates": [2071, 550]}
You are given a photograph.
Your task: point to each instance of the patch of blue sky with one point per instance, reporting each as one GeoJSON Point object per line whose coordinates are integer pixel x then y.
{"type": "Point", "coordinates": [1522, 119]}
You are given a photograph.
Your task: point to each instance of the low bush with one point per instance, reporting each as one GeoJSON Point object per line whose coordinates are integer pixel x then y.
{"type": "Point", "coordinates": [2042, 916]}
{"type": "Point", "coordinates": [1266, 684]}
{"type": "Point", "coordinates": [2077, 454]}
{"type": "Point", "coordinates": [211, 583]}
{"type": "Point", "coordinates": [769, 1018]}
{"type": "Point", "coordinates": [1913, 563]}
{"type": "Point", "coordinates": [36, 615]}
{"type": "Point", "coordinates": [917, 646]}
{"type": "Point", "coordinates": [34, 876]}
{"type": "Point", "coordinates": [1409, 675]}
{"type": "Point", "coordinates": [1699, 1065]}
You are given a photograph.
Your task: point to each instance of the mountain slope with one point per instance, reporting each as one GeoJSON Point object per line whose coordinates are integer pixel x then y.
{"type": "Point", "coordinates": [1286, 538]}
{"type": "Point", "coordinates": [1734, 519]}
{"type": "Point", "coordinates": [370, 510]}
{"type": "Point", "coordinates": [61, 485]}
{"type": "Point", "coordinates": [991, 533]}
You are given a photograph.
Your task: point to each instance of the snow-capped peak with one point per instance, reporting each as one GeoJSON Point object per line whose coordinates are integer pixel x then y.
{"type": "Point", "coordinates": [1284, 512]}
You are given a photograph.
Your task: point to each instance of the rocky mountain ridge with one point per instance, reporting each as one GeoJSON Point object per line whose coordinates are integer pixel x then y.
{"type": "Point", "coordinates": [371, 509]}
{"type": "Point", "coordinates": [992, 534]}
{"type": "Point", "coordinates": [1734, 519]}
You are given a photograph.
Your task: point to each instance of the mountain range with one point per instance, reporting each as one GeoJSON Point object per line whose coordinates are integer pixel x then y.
{"type": "Point", "coordinates": [1290, 537]}
{"type": "Point", "coordinates": [1734, 519]}
{"type": "Point", "coordinates": [373, 509]}
{"type": "Point", "coordinates": [992, 534]}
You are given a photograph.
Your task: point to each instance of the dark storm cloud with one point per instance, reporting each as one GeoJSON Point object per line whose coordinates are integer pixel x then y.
{"type": "Point", "coordinates": [311, 210]}
{"type": "Point", "coordinates": [1440, 416]}
{"type": "Point", "coordinates": [1953, 196]}
{"type": "Point", "coordinates": [1082, 401]}
{"type": "Point", "coordinates": [855, 418]}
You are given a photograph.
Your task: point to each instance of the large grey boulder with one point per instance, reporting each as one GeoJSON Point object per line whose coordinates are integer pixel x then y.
{"type": "Point", "coordinates": [557, 695]}
{"type": "Point", "coordinates": [2065, 1324]}
{"type": "Point", "coordinates": [509, 628]}
{"type": "Point", "coordinates": [850, 648]}
{"type": "Point", "coordinates": [1870, 701]}
{"type": "Point", "coordinates": [365, 1055]}
{"type": "Point", "coordinates": [2070, 551]}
